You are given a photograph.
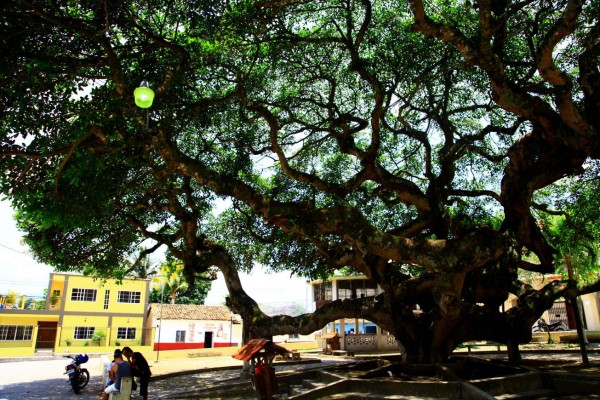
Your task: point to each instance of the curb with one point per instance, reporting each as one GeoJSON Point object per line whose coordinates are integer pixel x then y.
{"type": "Point", "coordinates": [227, 368]}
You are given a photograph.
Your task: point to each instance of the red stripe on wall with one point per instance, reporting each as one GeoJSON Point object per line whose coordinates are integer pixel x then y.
{"type": "Point", "coordinates": [187, 346]}
{"type": "Point", "coordinates": [225, 344]}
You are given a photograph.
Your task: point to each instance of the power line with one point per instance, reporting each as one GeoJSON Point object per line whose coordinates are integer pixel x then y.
{"type": "Point", "coordinates": [23, 283]}
{"type": "Point", "coordinates": [16, 251]}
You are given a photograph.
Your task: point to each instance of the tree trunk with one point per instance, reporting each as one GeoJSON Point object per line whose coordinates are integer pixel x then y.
{"type": "Point", "coordinates": [514, 354]}
{"type": "Point", "coordinates": [429, 333]}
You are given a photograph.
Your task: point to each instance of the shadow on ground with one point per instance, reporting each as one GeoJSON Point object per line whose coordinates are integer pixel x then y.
{"type": "Point", "coordinates": [49, 389]}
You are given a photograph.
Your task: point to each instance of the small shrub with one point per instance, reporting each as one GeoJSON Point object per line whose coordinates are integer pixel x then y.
{"type": "Point", "coordinates": [98, 337]}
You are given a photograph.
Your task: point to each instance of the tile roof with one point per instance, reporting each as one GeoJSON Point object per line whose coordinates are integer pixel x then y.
{"type": "Point", "coordinates": [256, 346]}
{"type": "Point", "coordinates": [190, 311]}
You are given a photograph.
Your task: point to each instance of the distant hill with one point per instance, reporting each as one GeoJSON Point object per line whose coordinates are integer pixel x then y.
{"type": "Point", "coordinates": [292, 309]}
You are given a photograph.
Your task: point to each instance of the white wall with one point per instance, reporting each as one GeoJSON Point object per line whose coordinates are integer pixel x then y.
{"type": "Point", "coordinates": [194, 330]}
{"type": "Point", "coordinates": [591, 308]}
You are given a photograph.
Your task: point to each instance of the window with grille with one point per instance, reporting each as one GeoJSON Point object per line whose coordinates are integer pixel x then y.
{"type": "Point", "coordinates": [83, 295]}
{"type": "Point", "coordinates": [366, 288]}
{"type": "Point", "coordinates": [129, 297]}
{"type": "Point", "coordinates": [106, 298]}
{"type": "Point", "coordinates": [16, 332]}
{"type": "Point", "coordinates": [344, 289]}
{"type": "Point", "coordinates": [126, 333]}
{"type": "Point", "coordinates": [322, 291]}
{"type": "Point", "coordinates": [179, 336]}
{"type": "Point", "coordinates": [356, 288]}
{"type": "Point", "coordinates": [83, 332]}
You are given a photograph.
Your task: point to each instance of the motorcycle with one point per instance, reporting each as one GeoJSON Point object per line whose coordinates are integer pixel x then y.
{"type": "Point", "coordinates": [78, 377]}
{"type": "Point", "coordinates": [542, 326]}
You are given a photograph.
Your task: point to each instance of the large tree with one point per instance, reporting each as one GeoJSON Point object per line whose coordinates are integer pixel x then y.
{"type": "Point", "coordinates": [414, 142]}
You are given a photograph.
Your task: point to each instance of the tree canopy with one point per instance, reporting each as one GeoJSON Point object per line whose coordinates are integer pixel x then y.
{"type": "Point", "coordinates": [424, 144]}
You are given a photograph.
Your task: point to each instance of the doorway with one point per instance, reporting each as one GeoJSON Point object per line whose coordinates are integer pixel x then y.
{"type": "Point", "coordinates": [208, 340]}
{"type": "Point", "coordinates": [46, 335]}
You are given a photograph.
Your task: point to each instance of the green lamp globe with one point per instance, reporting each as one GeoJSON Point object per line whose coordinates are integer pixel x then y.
{"type": "Point", "coordinates": [143, 95]}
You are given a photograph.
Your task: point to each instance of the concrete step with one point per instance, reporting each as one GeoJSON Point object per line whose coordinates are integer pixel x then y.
{"type": "Point", "coordinates": [296, 390]}
{"type": "Point", "coordinates": [312, 384]}
{"type": "Point", "coordinates": [374, 396]}
{"type": "Point", "coordinates": [521, 383]}
{"type": "Point", "coordinates": [538, 394]}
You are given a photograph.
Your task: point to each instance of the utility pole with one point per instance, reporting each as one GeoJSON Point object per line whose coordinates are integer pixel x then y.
{"type": "Point", "coordinates": [162, 290]}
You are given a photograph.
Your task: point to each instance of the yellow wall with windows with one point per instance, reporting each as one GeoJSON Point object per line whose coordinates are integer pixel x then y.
{"type": "Point", "coordinates": [70, 314]}
{"type": "Point", "coordinates": [16, 348]}
{"type": "Point", "coordinates": [71, 322]}
{"type": "Point", "coordinates": [126, 324]}
{"type": "Point", "coordinates": [138, 288]}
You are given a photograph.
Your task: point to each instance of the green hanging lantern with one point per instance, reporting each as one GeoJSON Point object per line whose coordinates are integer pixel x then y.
{"type": "Point", "coordinates": [143, 95]}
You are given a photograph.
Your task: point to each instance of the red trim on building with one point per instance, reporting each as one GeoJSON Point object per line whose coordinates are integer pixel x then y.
{"type": "Point", "coordinates": [225, 344]}
{"type": "Point", "coordinates": [188, 346]}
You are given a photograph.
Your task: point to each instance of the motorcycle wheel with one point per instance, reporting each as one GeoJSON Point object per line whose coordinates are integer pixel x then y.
{"type": "Point", "coordinates": [560, 328]}
{"type": "Point", "coordinates": [75, 382]}
{"type": "Point", "coordinates": [84, 378]}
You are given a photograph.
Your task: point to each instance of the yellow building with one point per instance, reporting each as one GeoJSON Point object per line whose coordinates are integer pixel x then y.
{"type": "Point", "coordinates": [81, 315]}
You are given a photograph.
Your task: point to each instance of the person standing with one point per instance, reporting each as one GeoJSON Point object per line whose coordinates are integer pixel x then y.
{"type": "Point", "coordinates": [119, 370]}
{"type": "Point", "coordinates": [140, 368]}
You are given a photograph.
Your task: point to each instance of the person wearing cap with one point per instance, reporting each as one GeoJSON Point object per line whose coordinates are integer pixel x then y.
{"type": "Point", "coordinates": [119, 370]}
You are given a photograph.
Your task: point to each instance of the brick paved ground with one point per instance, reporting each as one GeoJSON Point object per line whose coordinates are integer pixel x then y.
{"type": "Point", "coordinates": [43, 379]}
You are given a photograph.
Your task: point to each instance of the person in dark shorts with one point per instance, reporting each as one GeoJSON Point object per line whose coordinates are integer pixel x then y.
{"type": "Point", "coordinates": [139, 368]}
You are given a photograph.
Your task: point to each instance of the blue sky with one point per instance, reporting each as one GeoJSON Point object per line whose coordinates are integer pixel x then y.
{"type": "Point", "coordinates": [21, 273]}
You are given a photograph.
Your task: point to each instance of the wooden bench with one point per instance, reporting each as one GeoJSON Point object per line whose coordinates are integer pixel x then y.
{"type": "Point", "coordinates": [125, 393]}
{"type": "Point", "coordinates": [342, 353]}
{"type": "Point", "coordinates": [203, 354]}
{"type": "Point", "coordinates": [290, 355]}
{"type": "Point", "coordinates": [488, 343]}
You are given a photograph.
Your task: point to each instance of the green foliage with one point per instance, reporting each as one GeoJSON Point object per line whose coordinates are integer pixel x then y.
{"type": "Point", "coordinates": [98, 337]}
{"type": "Point", "coordinates": [307, 136]}
{"type": "Point", "coordinates": [11, 297]}
{"type": "Point", "coordinates": [194, 294]}
{"type": "Point", "coordinates": [576, 230]}
{"type": "Point", "coordinates": [54, 299]}
{"type": "Point", "coordinates": [145, 267]}
{"type": "Point", "coordinates": [40, 305]}
{"type": "Point", "coordinates": [170, 283]}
